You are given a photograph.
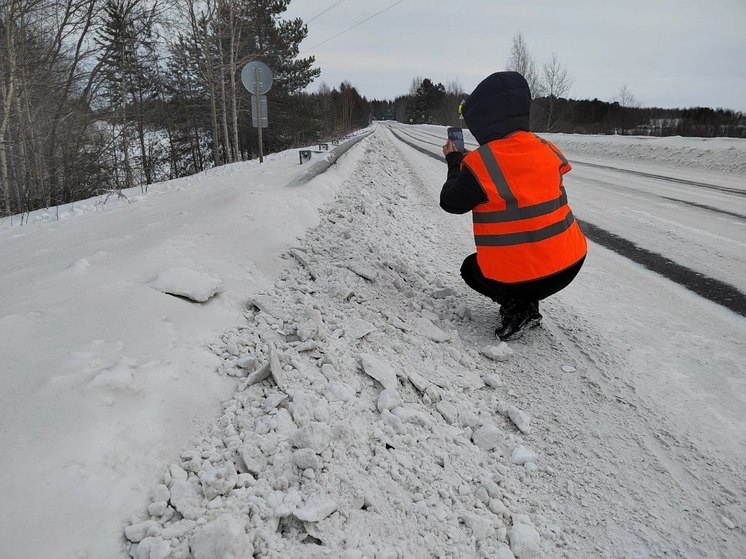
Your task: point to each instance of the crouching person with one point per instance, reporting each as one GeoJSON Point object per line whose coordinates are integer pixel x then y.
{"type": "Point", "coordinates": [529, 245]}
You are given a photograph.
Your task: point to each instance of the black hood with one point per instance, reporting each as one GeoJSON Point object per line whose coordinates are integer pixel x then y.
{"type": "Point", "coordinates": [498, 106]}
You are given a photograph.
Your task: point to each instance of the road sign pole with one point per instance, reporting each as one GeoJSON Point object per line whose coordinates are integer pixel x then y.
{"type": "Point", "coordinates": [259, 114]}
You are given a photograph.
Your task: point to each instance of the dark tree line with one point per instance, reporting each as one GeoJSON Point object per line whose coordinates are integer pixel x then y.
{"type": "Point", "coordinates": [102, 95]}
{"type": "Point", "coordinates": [612, 117]}
{"type": "Point", "coordinates": [427, 102]}
{"type": "Point", "coordinates": [432, 103]}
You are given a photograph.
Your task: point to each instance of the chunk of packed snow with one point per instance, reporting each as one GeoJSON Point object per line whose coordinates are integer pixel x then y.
{"type": "Point", "coordinates": [337, 392]}
{"type": "Point", "coordinates": [524, 539]}
{"type": "Point", "coordinates": [137, 532]}
{"type": "Point", "coordinates": [218, 481]}
{"type": "Point", "coordinates": [520, 419]}
{"type": "Point", "coordinates": [448, 411]}
{"type": "Point", "coordinates": [500, 352]}
{"type": "Point", "coordinates": [481, 527]}
{"type": "Point", "coordinates": [357, 328]}
{"type": "Point", "coordinates": [188, 283]}
{"type": "Point", "coordinates": [492, 380]}
{"type": "Point", "coordinates": [186, 499]}
{"type": "Point", "coordinates": [426, 328]}
{"type": "Point", "coordinates": [315, 509]}
{"type": "Point", "coordinates": [521, 455]}
{"type": "Point", "coordinates": [487, 436]}
{"type": "Point", "coordinates": [275, 368]}
{"type": "Point", "coordinates": [315, 436]}
{"type": "Point", "coordinates": [225, 537]}
{"type": "Point", "coordinates": [311, 325]}
{"type": "Point", "coordinates": [378, 369]}
{"type": "Point", "coordinates": [388, 399]}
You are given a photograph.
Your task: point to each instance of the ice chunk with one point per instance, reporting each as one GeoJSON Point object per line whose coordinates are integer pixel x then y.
{"type": "Point", "coordinates": [315, 436]}
{"type": "Point", "coordinates": [388, 399]}
{"type": "Point", "coordinates": [306, 458]}
{"type": "Point", "coordinates": [275, 368]}
{"type": "Point", "coordinates": [426, 328]}
{"type": "Point", "coordinates": [186, 499]}
{"type": "Point", "coordinates": [262, 373]}
{"type": "Point", "coordinates": [521, 455]}
{"type": "Point", "coordinates": [252, 457]}
{"type": "Point", "coordinates": [493, 380]}
{"type": "Point", "coordinates": [218, 481]}
{"type": "Point", "coordinates": [487, 437]}
{"type": "Point", "coordinates": [500, 352]}
{"type": "Point", "coordinates": [481, 527]}
{"type": "Point", "coordinates": [191, 284]}
{"type": "Point", "coordinates": [521, 419]}
{"type": "Point", "coordinates": [224, 537]}
{"type": "Point", "coordinates": [311, 326]}
{"type": "Point", "coordinates": [357, 328]}
{"type": "Point", "coordinates": [447, 410]}
{"type": "Point", "coordinates": [379, 370]}
{"type": "Point", "coordinates": [419, 382]}
{"type": "Point", "coordinates": [137, 532]}
{"type": "Point", "coordinates": [152, 548]}
{"type": "Point", "coordinates": [315, 509]}
{"type": "Point", "coordinates": [361, 269]}
{"type": "Point", "coordinates": [503, 552]}
{"type": "Point", "coordinates": [524, 539]}
{"type": "Point", "coordinates": [337, 392]}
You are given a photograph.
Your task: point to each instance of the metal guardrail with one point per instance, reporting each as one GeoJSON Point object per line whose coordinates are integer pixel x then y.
{"type": "Point", "coordinates": [323, 164]}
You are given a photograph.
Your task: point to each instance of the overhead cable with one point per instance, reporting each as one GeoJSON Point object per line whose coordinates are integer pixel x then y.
{"type": "Point", "coordinates": [337, 3]}
{"type": "Point", "coordinates": [351, 27]}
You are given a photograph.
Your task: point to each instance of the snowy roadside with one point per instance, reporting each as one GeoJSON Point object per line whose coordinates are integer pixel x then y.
{"type": "Point", "coordinates": [710, 154]}
{"type": "Point", "coordinates": [102, 376]}
{"type": "Point", "coordinates": [376, 417]}
{"type": "Point", "coordinates": [380, 432]}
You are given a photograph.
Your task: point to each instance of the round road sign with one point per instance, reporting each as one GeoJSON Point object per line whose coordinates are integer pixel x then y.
{"type": "Point", "coordinates": [255, 72]}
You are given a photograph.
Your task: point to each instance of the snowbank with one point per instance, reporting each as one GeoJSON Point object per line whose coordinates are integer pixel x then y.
{"type": "Point", "coordinates": [363, 427]}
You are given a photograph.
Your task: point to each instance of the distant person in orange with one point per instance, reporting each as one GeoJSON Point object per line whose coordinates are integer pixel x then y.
{"type": "Point", "coordinates": [529, 245]}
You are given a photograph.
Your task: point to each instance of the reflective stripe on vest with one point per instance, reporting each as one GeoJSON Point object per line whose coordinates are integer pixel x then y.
{"type": "Point", "coordinates": [526, 229]}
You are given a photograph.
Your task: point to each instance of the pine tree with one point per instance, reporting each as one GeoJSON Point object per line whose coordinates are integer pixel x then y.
{"type": "Point", "coordinates": [129, 77]}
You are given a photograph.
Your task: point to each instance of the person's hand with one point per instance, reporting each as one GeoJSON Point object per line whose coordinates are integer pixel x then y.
{"type": "Point", "coordinates": [449, 147]}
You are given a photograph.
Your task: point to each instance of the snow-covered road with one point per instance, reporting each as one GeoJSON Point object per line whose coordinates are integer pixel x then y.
{"type": "Point", "coordinates": [393, 425]}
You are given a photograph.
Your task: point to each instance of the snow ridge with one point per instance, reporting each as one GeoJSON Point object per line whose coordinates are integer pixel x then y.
{"type": "Point", "coordinates": [363, 426]}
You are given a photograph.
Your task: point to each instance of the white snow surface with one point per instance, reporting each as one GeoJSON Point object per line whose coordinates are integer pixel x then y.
{"type": "Point", "coordinates": [346, 397]}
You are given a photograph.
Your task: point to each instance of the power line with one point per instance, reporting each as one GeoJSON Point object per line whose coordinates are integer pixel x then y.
{"type": "Point", "coordinates": [337, 3]}
{"type": "Point", "coordinates": [351, 27]}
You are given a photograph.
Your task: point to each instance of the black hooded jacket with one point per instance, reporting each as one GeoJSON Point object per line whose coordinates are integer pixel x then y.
{"type": "Point", "coordinates": [499, 106]}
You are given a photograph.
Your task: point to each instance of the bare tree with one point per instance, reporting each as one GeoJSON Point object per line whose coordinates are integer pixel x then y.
{"type": "Point", "coordinates": [415, 85]}
{"type": "Point", "coordinates": [626, 101]}
{"type": "Point", "coordinates": [522, 61]}
{"type": "Point", "coordinates": [555, 83]}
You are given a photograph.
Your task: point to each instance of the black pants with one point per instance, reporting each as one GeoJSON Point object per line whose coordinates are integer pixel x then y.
{"type": "Point", "coordinates": [525, 292]}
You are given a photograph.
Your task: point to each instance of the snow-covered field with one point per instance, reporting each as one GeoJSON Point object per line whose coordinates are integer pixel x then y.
{"type": "Point", "coordinates": [342, 394]}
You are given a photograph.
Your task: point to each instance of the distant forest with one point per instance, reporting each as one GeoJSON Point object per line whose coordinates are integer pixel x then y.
{"type": "Point", "coordinates": [434, 103]}
{"type": "Point", "coordinates": [98, 96]}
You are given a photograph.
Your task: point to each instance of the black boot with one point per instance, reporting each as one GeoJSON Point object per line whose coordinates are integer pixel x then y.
{"type": "Point", "coordinates": [518, 318]}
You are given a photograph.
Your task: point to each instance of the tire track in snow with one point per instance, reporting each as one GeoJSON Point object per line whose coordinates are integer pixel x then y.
{"type": "Point", "coordinates": [705, 286]}
{"type": "Point", "coordinates": [736, 191]}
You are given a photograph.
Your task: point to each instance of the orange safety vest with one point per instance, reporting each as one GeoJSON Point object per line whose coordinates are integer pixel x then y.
{"type": "Point", "coordinates": [525, 230]}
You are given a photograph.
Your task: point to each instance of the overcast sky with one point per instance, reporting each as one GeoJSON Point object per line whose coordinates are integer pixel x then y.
{"type": "Point", "coordinates": [669, 53]}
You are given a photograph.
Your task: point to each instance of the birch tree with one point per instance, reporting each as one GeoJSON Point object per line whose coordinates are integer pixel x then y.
{"type": "Point", "coordinates": [522, 61]}
{"type": "Point", "coordinates": [555, 83]}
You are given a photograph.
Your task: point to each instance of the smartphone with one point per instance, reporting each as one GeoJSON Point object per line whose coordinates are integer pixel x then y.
{"type": "Point", "coordinates": [456, 135]}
